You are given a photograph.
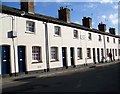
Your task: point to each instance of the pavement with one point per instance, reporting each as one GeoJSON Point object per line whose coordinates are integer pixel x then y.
{"type": "Point", "coordinates": [56, 72]}
{"type": "Point", "coordinates": [103, 77]}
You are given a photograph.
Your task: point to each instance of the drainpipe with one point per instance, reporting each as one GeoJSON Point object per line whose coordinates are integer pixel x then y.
{"type": "Point", "coordinates": [12, 39]}
{"type": "Point", "coordinates": [46, 46]}
{"type": "Point", "coordinates": [104, 47]}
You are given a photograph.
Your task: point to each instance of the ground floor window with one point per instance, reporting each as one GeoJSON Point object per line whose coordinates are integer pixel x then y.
{"type": "Point", "coordinates": [79, 52]}
{"type": "Point", "coordinates": [88, 53]}
{"type": "Point", "coordinates": [119, 52]}
{"type": "Point", "coordinates": [54, 53]}
{"type": "Point", "coordinates": [36, 54]}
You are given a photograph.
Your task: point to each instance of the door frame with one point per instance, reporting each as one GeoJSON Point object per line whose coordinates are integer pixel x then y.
{"type": "Point", "coordinates": [25, 58]}
{"type": "Point", "coordinates": [94, 56]}
{"type": "Point", "coordinates": [72, 63]}
{"type": "Point", "coordinates": [98, 54]}
{"type": "Point", "coordinates": [10, 65]}
{"type": "Point", "coordinates": [66, 64]}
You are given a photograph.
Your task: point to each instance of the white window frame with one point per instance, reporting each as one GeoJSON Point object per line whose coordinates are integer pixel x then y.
{"type": "Point", "coordinates": [119, 51]}
{"type": "Point", "coordinates": [89, 36]}
{"type": "Point", "coordinates": [30, 26]}
{"type": "Point", "coordinates": [57, 30]}
{"type": "Point", "coordinates": [113, 40]}
{"type": "Point", "coordinates": [79, 53]}
{"type": "Point", "coordinates": [54, 53]}
{"type": "Point", "coordinates": [99, 38]}
{"type": "Point", "coordinates": [36, 54]}
{"type": "Point", "coordinates": [115, 52]}
{"type": "Point", "coordinates": [88, 53]}
{"type": "Point", "coordinates": [119, 41]}
{"type": "Point", "coordinates": [108, 39]}
{"type": "Point", "coordinates": [75, 34]}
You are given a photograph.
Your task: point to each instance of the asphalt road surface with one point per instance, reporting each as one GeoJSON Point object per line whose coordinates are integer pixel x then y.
{"type": "Point", "coordinates": [99, 79]}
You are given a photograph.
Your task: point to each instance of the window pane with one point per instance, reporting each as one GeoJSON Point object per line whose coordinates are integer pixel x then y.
{"type": "Point", "coordinates": [54, 53]}
{"type": "Point", "coordinates": [30, 26]}
{"type": "Point", "coordinates": [35, 53]}
{"type": "Point", "coordinates": [75, 34]}
{"type": "Point", "coordinates": [57, 30]}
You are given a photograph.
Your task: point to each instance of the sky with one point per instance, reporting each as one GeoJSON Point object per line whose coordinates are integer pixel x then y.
{"type": "Point", "coordinates": [105, 11]}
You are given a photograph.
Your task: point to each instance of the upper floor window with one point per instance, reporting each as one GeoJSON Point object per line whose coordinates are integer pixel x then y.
{"type": "Point", "coordinates": [108, 39]}
{"type": "Point", "coordinates": [88, 53]}
{"type": "Point", "coordinates": [57, 30]}
{"type": "Point", "coordinates": [79, 52]}
{"type": "Point", "coordinates": [89, 36]}
{"type": "Point", "coordinates": [113, 40]}
{"type": "Point", "coordinates": [75, 33]}
{"type": "Point", "coordinates": [30, 26]}
{"type": "Point", "coordinates": [54, 53]}
{"type": "Point", "coordinates": [36, 54]}
{"type": "Point", "coordinates": [99, 37]}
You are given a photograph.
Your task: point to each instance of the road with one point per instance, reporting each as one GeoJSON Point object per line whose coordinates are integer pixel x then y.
{"type": "Point", "coordinates": [99, 79]}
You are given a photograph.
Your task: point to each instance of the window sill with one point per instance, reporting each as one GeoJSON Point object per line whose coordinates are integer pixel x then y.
{"type": "Point", "coordinates": [35, 62]}
{"type": "Point", "coordinates": [79, 59]}
{"type": "Point", "coordinates": [88, 57]}
{"type": "Point", "coordinates": [54, 60]}
{"type": "Point", "coordinates": [90, 40]}
{"type": "Point", "coordinates": [57, 35]}
{"type": "Point", "coordinates": [29, 32]}
{"type": "Point", "coordinates": [75, 38]}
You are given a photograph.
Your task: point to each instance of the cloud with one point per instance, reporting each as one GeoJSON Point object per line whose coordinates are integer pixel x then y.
{"type": "Point", "coordinates": [77, 22]}
{"type": "Point", "coordinates": [91, 6]}
{"type": "Point", "coordinates": [115, 6]}
{"type": "Point", "coordinates": [106, 1]}
{"type": "Point", "coordinates": [104, 17]}
{"type": "Point", "coordinates": [113, 18]}
{"type": "Point", "coordinates": [107, 30]}
{"type": "Point", "coordinates": [93, 23]}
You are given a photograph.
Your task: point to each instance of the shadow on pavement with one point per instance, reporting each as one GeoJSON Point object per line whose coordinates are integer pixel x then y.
{"type": "Point", "coordinates": [99, 79]}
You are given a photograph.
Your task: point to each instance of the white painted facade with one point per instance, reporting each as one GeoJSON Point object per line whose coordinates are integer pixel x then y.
{"type": "Point", "coordinates": [37, 38]}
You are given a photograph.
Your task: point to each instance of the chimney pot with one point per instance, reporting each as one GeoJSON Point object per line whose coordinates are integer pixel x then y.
{"type": "Point", "coordinates": [102, 27]}
{"type": "Point", "coordinates": [27, 6]}
{"type": "Point", "coordinates": [87, 22]}
{"type": "Point", "coordinates": [112, 31]}
{"type": "Point", "coordinates": [64, 14]}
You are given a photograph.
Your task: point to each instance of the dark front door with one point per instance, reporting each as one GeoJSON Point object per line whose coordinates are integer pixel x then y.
{"type": "Point", "coordinates": [21, 59]}
{"type": "Point", "coordinates": [113, 55]}
{"type": "Point", "coordinates": [72, 56]}
{"type": "Point", "coordinates": [64, 56]}
{"type": "Point", "coordinates": [5, 59]}
{"type": "Point", "coordinates": [94, 59]}
{"type": "Point", "coordinates": [98, 54]}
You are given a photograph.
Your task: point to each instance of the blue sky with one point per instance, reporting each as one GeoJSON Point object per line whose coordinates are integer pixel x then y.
{"type": "Point", "coordinates": [107, 12]}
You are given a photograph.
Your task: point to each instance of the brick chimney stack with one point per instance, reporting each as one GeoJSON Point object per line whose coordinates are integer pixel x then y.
{"type": "Point", "coordinates": [112, 31]}
{"type": "Point", "coordinates": [87, 22]}
{"type": "Point", "coordinates": [27, 6]}
{"type": "Point", "coordinates": [102, 27]}
{"type": "Point", "coordinates": [64, 14]}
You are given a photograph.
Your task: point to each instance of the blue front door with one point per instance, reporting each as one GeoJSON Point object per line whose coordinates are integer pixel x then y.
{"type": "Point", "coordinates": [21, 59]}
{"type": "Point", "coordinates": [5, 60]}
